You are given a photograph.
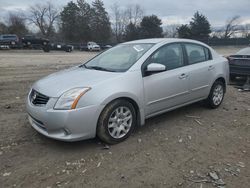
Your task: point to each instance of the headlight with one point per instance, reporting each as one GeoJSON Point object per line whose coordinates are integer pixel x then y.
{"type": "Point", "coordinates": [70, 98]}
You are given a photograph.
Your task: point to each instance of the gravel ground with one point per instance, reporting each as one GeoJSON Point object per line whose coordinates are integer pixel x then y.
{"type": "Point", "coordinates": [176, 149]}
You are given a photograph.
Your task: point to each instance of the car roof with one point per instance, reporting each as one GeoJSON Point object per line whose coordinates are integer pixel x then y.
{"type": "Point", "coordinates": [161, 40]}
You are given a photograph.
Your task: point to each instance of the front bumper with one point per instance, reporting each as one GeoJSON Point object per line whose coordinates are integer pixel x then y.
{"type": "Point", "coordinates": [65, 125]}
{"type": "Point", "coordinates": [239, 66]}
{"type": "Point", "coordinates": [11, 44]}
{"type": "Point", "coordinates": [96, 49]}
{"type": "Point", "coordinates": [239, 70]}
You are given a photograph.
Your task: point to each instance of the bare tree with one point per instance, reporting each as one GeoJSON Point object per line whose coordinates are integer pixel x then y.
{"type": "Point", "coordinates": [217, 34]}
{"type": "Point", "coordinates": [3, 28]}
{"type": "Point", "coordinates": [44, 17]}
{"type": "Point", "coordinates": [246, 30]}
{"type": "Point", "coordinates": [119, 21]}
{"type": "Point", "coordinates": [171, 31]}
{"type": "Point", "coordinates": [134, 14]}
{"type": "Point", "coordinates": [16, 24]}
{"type": "Point", "coordinates": [231, 26]}
{"type": "Point", "coordinates": [123, 17]}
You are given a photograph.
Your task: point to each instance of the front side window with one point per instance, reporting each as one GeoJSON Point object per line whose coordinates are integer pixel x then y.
{"type": "Point", "coordinates": [119, 58]}
{"type": "Point", "coordinates": [170, 55]}
{"type": "Point", "coordinates": [196, 53]}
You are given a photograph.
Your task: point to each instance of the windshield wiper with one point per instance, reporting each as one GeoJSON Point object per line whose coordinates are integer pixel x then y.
{"type": "Point", "coordinates": [98, 68]}
{"type": "Point", "coordinates": [83, 65]}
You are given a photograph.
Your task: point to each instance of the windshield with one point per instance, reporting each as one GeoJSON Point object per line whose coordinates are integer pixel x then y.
{"type": "Point", "coordinates": [92, 43]}
{"type": "Point", "coordinates": [244, 51]}
{"type": "Point", "coordinates": [119, 58]}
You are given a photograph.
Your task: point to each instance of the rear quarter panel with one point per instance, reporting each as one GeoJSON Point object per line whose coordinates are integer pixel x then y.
{"type": "Point", "coordinates": [221, 69]}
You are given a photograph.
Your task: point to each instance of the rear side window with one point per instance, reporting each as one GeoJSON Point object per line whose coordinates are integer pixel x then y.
{"type": "Point", "coordinates": [197, 53]}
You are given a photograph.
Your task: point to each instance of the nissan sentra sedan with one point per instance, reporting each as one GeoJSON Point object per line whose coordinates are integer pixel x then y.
{"type": "Point", "coordinates": [118, 89]}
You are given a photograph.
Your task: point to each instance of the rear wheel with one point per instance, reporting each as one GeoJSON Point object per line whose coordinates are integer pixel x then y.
{"type": "Point", "coordinates": [46, 48]}
{"type": "Point", "coordinates": [216, 95]}
{"type": "Point", "coordinates": [68, 50]}
{"type": "Point", "coordinates": [116, 122]}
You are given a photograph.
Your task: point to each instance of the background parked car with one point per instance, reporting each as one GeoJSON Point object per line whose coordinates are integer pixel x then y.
{"type": "Point", "coordinates": [83, 47]}
{"type": "Point", "coordinates": [32, 41]}
{"type": "Point", "coordinates": [106, 46]}
{"type": "Point", "coordinates": [87, 46]}
{"type": "Point", "coordinates": [9, 41]}
{"type": "Point", "coordinates": [61, 47]}
{"type": "Point", "coordinates": [239, 64]}
{"type": "Point", "coordinates": [92, 46]}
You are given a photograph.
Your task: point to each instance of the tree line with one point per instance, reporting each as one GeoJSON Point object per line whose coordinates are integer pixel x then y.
{"type": "Point", "coordinates": [199, 28]}
{"type": "Point", "coordinates": [81, 21]}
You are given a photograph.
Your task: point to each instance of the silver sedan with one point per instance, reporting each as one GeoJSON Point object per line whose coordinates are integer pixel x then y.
{"type": "Point", "coordinates": [118, 89]}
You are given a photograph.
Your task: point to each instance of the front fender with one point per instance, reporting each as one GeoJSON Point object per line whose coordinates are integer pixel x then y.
{"type": "Point", "coordinates": [131, 97]}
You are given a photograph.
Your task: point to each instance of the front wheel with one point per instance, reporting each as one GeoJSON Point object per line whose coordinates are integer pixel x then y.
{"type": "Point", "coordinates": [46, 48]}
{"type": "Point", "coordinates": [68, 50]}
{"type": "Point", "coordinates": [116, 122]}
{"type": "Point", "coordinates": [216, 95]}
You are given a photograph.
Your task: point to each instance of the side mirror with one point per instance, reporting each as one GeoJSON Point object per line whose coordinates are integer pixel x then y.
{"type": "Point", "coordinates": [155, 67]}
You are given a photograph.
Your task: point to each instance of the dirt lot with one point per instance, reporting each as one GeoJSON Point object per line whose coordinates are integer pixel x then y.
{"type": "Point", "coordinates": [176, 149]}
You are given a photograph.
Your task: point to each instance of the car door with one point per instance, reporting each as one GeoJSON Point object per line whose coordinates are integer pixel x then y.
{"type": "Point", "coordinates": [201, 70]}
{"type": "Point", "coordinates": [166, 89]}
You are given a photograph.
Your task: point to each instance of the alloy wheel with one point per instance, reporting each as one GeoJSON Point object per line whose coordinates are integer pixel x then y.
{"type": "Point", "coordinates": [218, 94]}
{"type": "Point", "coordinates": [120, 122]}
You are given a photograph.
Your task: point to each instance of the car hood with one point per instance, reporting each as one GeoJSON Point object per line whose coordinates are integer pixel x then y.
{"type": "Point", "coordinates": [57, 83]}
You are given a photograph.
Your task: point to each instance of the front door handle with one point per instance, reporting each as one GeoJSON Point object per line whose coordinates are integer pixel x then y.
{"type": "Point", "coordinates": [211, 67]}
{"type": "Point", "coordinates": [183, 76]}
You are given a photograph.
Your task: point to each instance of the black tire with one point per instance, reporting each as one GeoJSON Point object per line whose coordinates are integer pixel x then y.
{"type": "Point", "coordinates": [210, 101]}
{"type": "Point", "coordinates": [46, 48]}
{"type": "Point", "coordinates": [102, 127]}
{"type": "Point", "coordinates": [68, 50]}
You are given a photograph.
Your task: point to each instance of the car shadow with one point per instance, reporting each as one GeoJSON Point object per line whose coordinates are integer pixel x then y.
{"type": "Point", "coordinates": [171, 115]}
{"type": "Point", "coordinates": [241, 83]}
{"type": "Point", "coordinates": [97, 144]}
{"type": "Point", "coordinates": [238, 82]}
{"type": "Point", "coordinates": [63, 146]}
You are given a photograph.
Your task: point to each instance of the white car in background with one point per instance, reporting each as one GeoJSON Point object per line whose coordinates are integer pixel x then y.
{"type": "Point", "coordinates": [92, 46]}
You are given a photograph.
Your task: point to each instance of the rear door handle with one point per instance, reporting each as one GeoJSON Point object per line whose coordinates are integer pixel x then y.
{"type": "Point", "coordinates": [211, 67]}
{"type": "Point", "coordinates": [183, 76]}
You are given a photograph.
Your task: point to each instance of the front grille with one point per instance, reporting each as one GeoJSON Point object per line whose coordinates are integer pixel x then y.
{"type": "Point", "coordinates": [240, 62]}
{"type": "Point", "coordinates": [240, 56]}
{"type": "Point", "coordinates": [37, 98]}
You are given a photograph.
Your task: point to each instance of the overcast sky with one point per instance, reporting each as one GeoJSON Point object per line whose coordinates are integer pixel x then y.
{"type": "Point", "coordinates": [170, 11]}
